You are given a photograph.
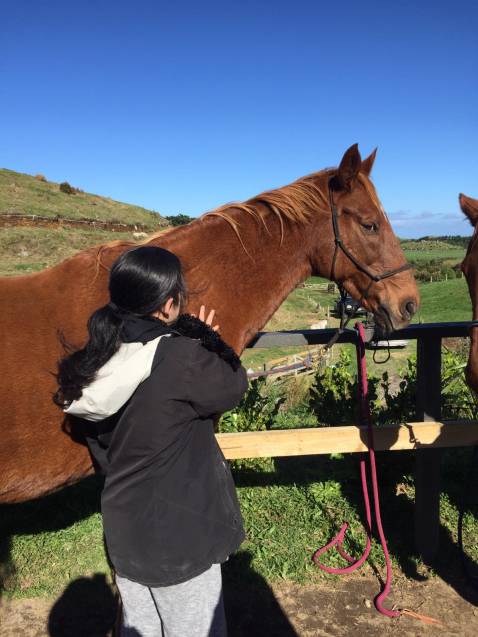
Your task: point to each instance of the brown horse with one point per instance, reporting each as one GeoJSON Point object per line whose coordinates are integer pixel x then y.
{"type": "Point", "coordinates": [470, 270]}
{"type": "Point", "coordinates": [241, 259]}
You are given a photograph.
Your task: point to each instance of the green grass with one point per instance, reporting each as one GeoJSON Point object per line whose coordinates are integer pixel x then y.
{"type": "Point", "coordinates": [46, 562]}
{"type": "Point", "coordinates": [52, 541]}
{"type": "Point", "coordinates": [24, 194]}
{"type": "Point", "coordinates": [289, 511]}
{"type": "Point", "coordinates": [444, 301]}
{"type": "Point", "coordinates": [453, 255]}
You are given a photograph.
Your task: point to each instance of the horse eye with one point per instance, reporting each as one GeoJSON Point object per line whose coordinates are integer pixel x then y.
{"type": "Point", "coordinates": [370, 227]}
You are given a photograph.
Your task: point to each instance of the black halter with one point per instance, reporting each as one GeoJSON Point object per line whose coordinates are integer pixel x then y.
{"type": "Point", "coordinates": [339, 245]}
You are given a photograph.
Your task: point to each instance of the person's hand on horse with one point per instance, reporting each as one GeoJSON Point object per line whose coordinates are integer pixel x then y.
{"type": "Point", "coordinates": [209, 319]}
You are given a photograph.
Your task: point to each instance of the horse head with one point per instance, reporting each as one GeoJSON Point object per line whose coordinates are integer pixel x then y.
{"type": "Point", "coordinates": [365, 256]}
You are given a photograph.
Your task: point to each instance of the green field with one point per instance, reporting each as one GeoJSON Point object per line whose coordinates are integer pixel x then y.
{"type": "Point", "coordinates": [454, 255]}
{"type": "Point", "coordinates": [444, 301]}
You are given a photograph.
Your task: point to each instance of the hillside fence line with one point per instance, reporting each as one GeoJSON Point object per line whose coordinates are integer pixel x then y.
{"type": "Point", "coordinates": [21, 219]}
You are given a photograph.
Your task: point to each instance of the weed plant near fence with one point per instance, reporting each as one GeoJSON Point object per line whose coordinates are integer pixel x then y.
{"type": "Point", "coordinates": [332, 397]}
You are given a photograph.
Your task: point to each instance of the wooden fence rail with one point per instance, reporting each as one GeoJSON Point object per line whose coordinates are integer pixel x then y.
{"type": "Point", "coordinates": [426, 437]}
{"type": "Point", "coordinates": [349, 439]}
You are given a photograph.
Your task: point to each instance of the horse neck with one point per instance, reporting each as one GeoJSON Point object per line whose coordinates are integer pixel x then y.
{"type": "Point", "coordinates": [245, 283]}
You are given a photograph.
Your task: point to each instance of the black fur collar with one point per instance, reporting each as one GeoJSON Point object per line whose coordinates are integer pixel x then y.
{"type": "Point", "coordinates": [191, 326]}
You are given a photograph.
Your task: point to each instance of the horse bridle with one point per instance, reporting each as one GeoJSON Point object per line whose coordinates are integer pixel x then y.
{"type": "Point", "coordinates": [374, 278]}
{"type": "Point", "coordinates": [339, 245]}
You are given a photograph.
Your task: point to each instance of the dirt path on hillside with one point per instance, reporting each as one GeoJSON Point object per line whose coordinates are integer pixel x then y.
{"type": "Point", "coordinates": [334, 609]}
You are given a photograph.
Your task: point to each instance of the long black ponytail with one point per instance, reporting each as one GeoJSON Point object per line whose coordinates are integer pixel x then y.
{"type": "Point", "coordinates": [141, 281]}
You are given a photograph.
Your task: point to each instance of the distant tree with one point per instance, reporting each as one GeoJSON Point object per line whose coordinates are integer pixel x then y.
{"type": "Point", "coordinates": [455, 239]}
{"type": "Point", "coordinates": [179, 220]}
{"type": "Point", "coordinates": [67, 189]}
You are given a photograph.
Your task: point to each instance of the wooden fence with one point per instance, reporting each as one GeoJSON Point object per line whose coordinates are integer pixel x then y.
{"type": "Point", "coordinates": [426, 437]}
{"type": "Point", "coordinates": [299, 362]}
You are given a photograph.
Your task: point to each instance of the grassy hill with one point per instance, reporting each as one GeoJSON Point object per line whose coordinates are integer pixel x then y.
{"type": "Point", "coordinates": [444, 301]}
{"type": "Point", "coordinates": [451, 255]}
{"type": "Point", "coordinates": [456, 241]}
{"type": "Point", "coordinates": [24, 194]}
{"type": "Point", "coordinates": [447, 249]}
{"type": "Point", "coordinates": [30, 248]}
{"type": "Point", "coordinates": [427, 245]}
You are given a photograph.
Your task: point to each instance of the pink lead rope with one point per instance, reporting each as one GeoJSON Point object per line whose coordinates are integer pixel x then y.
{"type": "Point", "coordinates": [366, 417]}
{"type": "Point", "coordinates": [338, 540]}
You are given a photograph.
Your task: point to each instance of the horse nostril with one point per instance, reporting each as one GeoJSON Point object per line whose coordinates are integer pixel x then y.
{"type": "Point", "coordinates": [410, 308]}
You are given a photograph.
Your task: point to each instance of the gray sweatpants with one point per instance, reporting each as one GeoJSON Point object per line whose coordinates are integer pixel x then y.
{"type": "Point", "coordinates": [194, 608]}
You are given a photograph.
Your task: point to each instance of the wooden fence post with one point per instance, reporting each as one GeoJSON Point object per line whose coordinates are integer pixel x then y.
{"type": "Point", "coordinates": [427, 463]}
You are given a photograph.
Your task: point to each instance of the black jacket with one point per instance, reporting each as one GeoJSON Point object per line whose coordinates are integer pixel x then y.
{"type": "Point", "coordinates": [169, 503]}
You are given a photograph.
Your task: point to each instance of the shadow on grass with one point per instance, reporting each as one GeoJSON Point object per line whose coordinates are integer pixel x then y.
{"type": "Point", "coordinates": [50, 513]}
{"type": "Point", "coordinates": [396, 507]}
{"type": "Point", "coordinates": [251, 607]}
{"type": "Point", "coordinates": [87, 606]}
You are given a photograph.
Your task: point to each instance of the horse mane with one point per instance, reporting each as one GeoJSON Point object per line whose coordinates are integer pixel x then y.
{"type": "Point", "coordinates": [293, 203]}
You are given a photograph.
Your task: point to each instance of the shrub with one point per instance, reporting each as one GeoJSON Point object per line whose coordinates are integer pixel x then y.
{"type": "Point", "coordinates": [67, 189]}
{"type": "Point", "coordinates": [401, 406]}
{"type": "Point", "coordinates": [40, 177]}
{"type": "Point", "coordinates": [458, 400]}
{"type": "Point", "coordinates": [256, 412]}
{"type": "Point", "coordinates": [333, 395]}
{"type": "Point", "coordinates": [436, 270]}
{"type": "Point", "coordinates": [179, 220]}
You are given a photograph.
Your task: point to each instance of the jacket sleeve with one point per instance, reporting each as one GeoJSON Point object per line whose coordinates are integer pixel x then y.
{"type": "Point", "coordinates": [212, 385]}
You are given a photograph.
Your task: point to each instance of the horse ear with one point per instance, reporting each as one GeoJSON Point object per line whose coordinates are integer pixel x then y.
{"type": "Point", "coordinates": [367, 163]}
{"type": "Point", "coordinates": [470, 208]}
{"type": "Point", "coordinates": [349, 168]}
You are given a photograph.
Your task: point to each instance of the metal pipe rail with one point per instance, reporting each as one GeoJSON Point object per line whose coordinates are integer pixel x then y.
{"type": "Point", "coordinates": [299, 338]}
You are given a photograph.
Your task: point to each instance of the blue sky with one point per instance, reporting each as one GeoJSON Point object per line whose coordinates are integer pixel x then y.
{"type": "Point", "coordinates": [181, 107]}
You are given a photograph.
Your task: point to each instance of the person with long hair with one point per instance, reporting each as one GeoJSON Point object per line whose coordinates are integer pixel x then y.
{"type": "Point", "coordinates": [148, 384]}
